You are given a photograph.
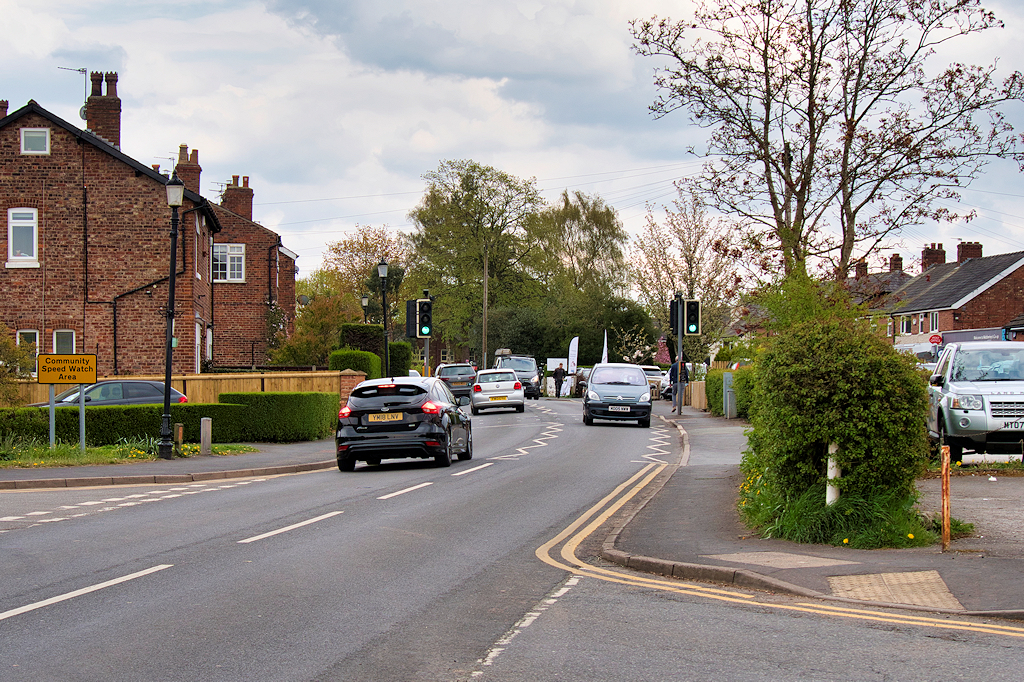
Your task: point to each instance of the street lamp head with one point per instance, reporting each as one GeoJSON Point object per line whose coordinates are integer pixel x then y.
{"type": "Point", "coordinates": [365, 300]}
{"type": "Point", "coordinates": [382, 269]}
{"type": "Point", "coordinates": [175, 191]}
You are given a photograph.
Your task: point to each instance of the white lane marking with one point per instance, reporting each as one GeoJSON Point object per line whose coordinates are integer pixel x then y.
{"type": "Point", "coordinates": [288, 528]}
{"type": "Point", "coordinates": [407, 490]}
{"type": "Point", "coordinates": [469, 471]}
{"type": "Point", "coordinates": [11, 518]}
{"type": "Point", "coordinates": [40, 513]}
{"type": "Point", "coordinates": [553, 429]}
{"type": "Point", "coordinates": [77, 593]}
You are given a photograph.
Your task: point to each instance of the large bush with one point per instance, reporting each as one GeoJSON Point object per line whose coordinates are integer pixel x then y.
{"type": "Point", "coordinates": [400, 353]}
{"type": "Point", "coordinates": [834, 381]}
{"type": "Point", "coordinates": [360, 360]}
{"type": "Point", "coordinates": [286, 417]}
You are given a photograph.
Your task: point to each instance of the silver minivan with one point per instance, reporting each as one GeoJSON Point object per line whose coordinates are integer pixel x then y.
{"type": "Point", "coordinates": [617, 391]}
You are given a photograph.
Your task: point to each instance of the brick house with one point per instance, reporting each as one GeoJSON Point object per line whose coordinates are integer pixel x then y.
{"type": "Point", "coordinates": [87, 248]}
{"type": "Point", "coordinates": [971, 299]}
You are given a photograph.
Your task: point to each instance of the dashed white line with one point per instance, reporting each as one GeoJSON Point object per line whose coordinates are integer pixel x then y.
{"type": "Point", "coordinates": [469, 471]}
{"type": "Point", "coordinates": [288, 528]}
{"type": "Point", "coordinates": [407, 490]}
{"type": "Point", "coordinates": [77, 593]}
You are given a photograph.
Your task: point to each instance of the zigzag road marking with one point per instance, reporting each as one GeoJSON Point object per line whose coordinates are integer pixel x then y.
{"type": "Point", "coordinates": [660, 439]}
{"type": "Point", "coordinates": [540, 441]}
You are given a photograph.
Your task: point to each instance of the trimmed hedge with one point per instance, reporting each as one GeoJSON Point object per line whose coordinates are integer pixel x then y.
{"type": "Point", "coordinates": [107, 425]}
{"type": "Point", "coordinates": [742, 385]}
{"type": "Point", "coordinates": [360, 360]}
{"type": "Point", "coordinates": [286, 417]}
{"type": "Point", "coordinates": [366, 337]}
{"type": "Point", "coordinates": [401, 358]}
{"type": "Point", "coordinates": [238, 418]}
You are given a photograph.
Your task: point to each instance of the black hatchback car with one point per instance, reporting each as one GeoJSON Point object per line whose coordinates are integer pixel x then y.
{"type": "Point", "coordinates": [459, 377]}
{"type": "Point", "coordinates": [401, 417]}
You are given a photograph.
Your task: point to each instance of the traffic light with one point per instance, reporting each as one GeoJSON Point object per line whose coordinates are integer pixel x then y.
{"type": "Point", "coordinates": [424, 318]}
{"type": "Point", "coordinates": [673, 315]}
{"type": "Point", "coordinates": [691, 318]}
{"type": "Point", "coordinates": [410, 319]}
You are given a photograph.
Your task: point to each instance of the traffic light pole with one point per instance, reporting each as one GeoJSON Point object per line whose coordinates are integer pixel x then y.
{"type": "Point", "coordinates": [680, 314]}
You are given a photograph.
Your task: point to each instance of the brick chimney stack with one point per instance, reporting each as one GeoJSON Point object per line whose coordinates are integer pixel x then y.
{"type": "Point", "coordinates": [3, 108]}
{"type": "Point", "coordinates": [967, 251]}
{"type": "Point", "coordinates": [237, 199]}
{"type": "Point", "coordinates": [896, 263]}
{"type": "Point", "coordinates": [932, 255]}
{"type": "Point", "coordinates": [188, 168]}
{"type": "Point", "coordinates": [103, 112]}
{"type": "Point", "coordinates": [861, 269]}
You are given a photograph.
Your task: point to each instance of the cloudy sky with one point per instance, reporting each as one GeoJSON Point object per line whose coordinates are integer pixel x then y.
{"type": "Point", "coordinates": [336, 108]}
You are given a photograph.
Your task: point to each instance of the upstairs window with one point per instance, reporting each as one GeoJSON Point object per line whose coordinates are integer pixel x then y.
{"type": "Point", "coordinates": [35, 140]}
{"type": "Point", "coordinates": [64, 341]}
{"type": "Point", "coordinates": [22, 237]}
{"type": "Point", "coordinates": [229, 262]}
{"type": "Point", "coordinates": [905, 324]}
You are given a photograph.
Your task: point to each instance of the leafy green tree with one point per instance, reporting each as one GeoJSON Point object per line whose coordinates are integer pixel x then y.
{"type": "Point", "coordinates": [476, 230]}
{"type": "Point", "coordinates": [17, 361]}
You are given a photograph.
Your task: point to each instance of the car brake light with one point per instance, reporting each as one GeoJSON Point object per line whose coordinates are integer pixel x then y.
{"type": "Point", "coordinates": [430, 408]}
{"type": "Point", "coordinates": [344, 412]}
{"type": "Point", "coordinates": [518, 386]}
{"type": "Point", "coordinates": [477, 388]}
{"type": "Point", "coordinates": [182, 399]}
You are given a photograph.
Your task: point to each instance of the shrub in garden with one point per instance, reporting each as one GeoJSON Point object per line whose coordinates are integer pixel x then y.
{"type": "Point", "coordinates": [360, 360]}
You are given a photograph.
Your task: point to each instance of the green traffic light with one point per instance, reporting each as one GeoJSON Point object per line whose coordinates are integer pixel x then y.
{"type": "Point", "coordinates": [425, 330]}
{"type": "Point", "coordinates": [692, 328]}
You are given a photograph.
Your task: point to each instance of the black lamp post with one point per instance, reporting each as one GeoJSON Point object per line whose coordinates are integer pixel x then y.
{"type": "Point", "coordinates": [175, 198]}
{"type": "Point", "coordinates": [365, 300]}
{"type": "Point", "coordinates": [382, 271]}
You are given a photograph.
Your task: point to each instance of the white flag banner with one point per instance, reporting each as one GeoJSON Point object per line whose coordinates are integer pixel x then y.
{"type": "Point", "coordinates": [604, 353]}
{"type": "Point", "coordinates": [574, 351]}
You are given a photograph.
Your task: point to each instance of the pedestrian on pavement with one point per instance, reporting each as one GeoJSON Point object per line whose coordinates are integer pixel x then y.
{"type": "Point", "coordinates": [559, 375]}
{"type": "Point", "coordinates": [678, 377]}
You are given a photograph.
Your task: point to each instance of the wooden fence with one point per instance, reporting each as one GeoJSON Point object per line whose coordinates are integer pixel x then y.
{"type": "Point", "coordinates": [204, 388]}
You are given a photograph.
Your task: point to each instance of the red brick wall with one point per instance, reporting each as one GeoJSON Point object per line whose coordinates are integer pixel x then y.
{"type": "Point", "coordinates": [241, 308]}
{"type": "Point", "coordinates": [104, 231]}
{"type": "Point", "coordinates": [994, 308]}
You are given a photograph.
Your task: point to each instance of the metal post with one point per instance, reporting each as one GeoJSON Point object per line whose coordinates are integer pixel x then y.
{"type": "Point", "coordinates": [384, 299]}
{"type": "Point", "coordinates": [166, 448]}
{"type": "Point", "coordinates": [679, 353]}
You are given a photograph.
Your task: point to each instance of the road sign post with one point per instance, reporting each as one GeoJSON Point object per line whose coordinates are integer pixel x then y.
{"type": "Point", "coordinates": [78, 369]}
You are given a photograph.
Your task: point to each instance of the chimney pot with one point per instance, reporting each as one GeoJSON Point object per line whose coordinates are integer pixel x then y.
{"type": "Point", "coordinates": [104, 111]}
{"type": "Point", "coordinates": [111, 78]}
{"type": "Point", "coordinates": [234, 181]}
{"type": "Point", "coordinates": [97, 84]}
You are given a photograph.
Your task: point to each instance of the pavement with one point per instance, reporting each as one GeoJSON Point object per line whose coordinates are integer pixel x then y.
{"type": "Point", "coordinates": [689, 528]}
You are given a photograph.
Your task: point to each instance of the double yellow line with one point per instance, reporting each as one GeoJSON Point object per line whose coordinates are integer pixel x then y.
{"type": "Point", "coordinates": [584, 526]}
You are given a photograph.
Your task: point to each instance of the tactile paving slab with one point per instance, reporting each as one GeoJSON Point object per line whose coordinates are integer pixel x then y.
{"type": "Point", "coordinates": [779, 559]}
{"type": "Point", "coordinates": [919, 588]}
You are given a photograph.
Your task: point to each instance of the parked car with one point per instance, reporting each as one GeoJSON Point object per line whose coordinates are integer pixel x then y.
{"type": "Point", "coordinates": [525, 368]}
{"type": "Point", "coordinates": [976, 398]}
{"type": "Point", "coordinates": [395, 418]}
{"type": "Point", "coordinates": [458, 377]}
{"type": "Point", "coordinates": [497, 388]}
{"type": "Point", "coordinates": [617, 391]}
{"type": "Point", "coordinates": [653, 373]}
{"type": "Point", "coordinates": [117, 392]}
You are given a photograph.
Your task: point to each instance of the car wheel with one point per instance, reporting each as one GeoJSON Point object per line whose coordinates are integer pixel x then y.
{"type": "Point", "coordinates": [468, 454]}
{"type": "Point", "coordinates": [956, 450]}
{"type": "Point", "coordinates": [472, 408]}
{"type": "Point", "coordinates": [521, 408]}
{"type": "Point", "coordinates": [373, 462]}
{"type": "Point", "coordinates": [644, 423]}
{"type": "Point", "coordinates": [587, 420]}
{"type": "Point", "coordinates": [346, 464]}
{"type": "Point", "coordinates": [444, 459]}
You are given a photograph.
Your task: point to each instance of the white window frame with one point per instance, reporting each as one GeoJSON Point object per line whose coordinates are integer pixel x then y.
{"type": "Point", "coordinates": [233, 253]}
{"type": "Point", "coordinates": [21, 333]}
{"type": "Point", "coordinates": [934, 321]}
{"type": "Point", "coordinates": [906, 322]}
{"type": "Point", "coordinates": [22, 261]}
{"type": "Point", "coordinates": [63, 331]}
{"type": "Point", "coordinates": [26, 132]}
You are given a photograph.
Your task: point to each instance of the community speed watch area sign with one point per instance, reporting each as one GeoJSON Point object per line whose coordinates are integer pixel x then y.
{"type": "Point", "coordinates": [66, 369]}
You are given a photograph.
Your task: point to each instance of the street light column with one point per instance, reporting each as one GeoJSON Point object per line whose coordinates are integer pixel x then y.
{"type": "Point", "coordinates": [382, 272]}
{"type": "Point", "coordinates": [175, 198]}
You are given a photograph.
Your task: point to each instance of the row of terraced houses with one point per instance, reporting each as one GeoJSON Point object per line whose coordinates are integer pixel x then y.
{"type": "Point", "coordinates": [87, 246]}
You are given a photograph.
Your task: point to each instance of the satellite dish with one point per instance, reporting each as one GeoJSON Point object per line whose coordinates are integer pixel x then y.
{"type": "Point", "coordinates": [303, 299]}
{"type": "Point", "coordinates": [82, 113]}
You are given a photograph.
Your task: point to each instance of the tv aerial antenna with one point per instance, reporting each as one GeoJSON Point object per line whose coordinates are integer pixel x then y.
{"type": "Point", "coordinates": [85, 87]}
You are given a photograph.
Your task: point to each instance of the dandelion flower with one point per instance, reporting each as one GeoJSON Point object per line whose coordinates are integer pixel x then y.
{"type": "Point", "coordinates": [846, 541]}
{"type": "Point", "coordinates": [910, 535]}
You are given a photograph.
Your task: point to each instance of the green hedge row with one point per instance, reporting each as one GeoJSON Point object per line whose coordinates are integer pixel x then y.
{"type": "Point", "coordinates": [742, 385]}
{"type": "Point", "coordinates": [239, 418]}
{"type": "Point", "coordinates": [359, 360]}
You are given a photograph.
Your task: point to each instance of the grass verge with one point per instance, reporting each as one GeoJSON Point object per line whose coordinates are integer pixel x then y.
{"type": "Point", "coordinates": [25, 453]}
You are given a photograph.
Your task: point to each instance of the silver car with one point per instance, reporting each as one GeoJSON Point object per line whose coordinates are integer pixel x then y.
{"type": "Point", "coordinates": [497, 388]}
{"type": "Point", "coordinates": [976, 398]}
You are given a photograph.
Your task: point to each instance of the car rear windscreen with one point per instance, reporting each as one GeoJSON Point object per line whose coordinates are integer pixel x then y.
{"type": "Point", "coordinates": [456, 371]}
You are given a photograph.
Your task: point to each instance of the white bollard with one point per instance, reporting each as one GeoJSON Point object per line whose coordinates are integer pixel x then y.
{"type": "Point", "coordinates": [206, 436]}
{"type": "Point", "coordinates": [832, 473]}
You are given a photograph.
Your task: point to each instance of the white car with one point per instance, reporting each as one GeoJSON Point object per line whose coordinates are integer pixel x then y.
{"type": "Point", "coordinates": [497, 388]}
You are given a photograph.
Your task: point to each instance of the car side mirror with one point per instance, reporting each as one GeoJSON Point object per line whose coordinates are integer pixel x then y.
{"type": "Point", "coordinates": [936, 380]}
{"type": "Point", "coordinates": [463, 400]}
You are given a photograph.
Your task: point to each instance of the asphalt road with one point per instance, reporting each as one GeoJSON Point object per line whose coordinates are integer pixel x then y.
{"type": "Point", "coordinates": [483, 571]}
